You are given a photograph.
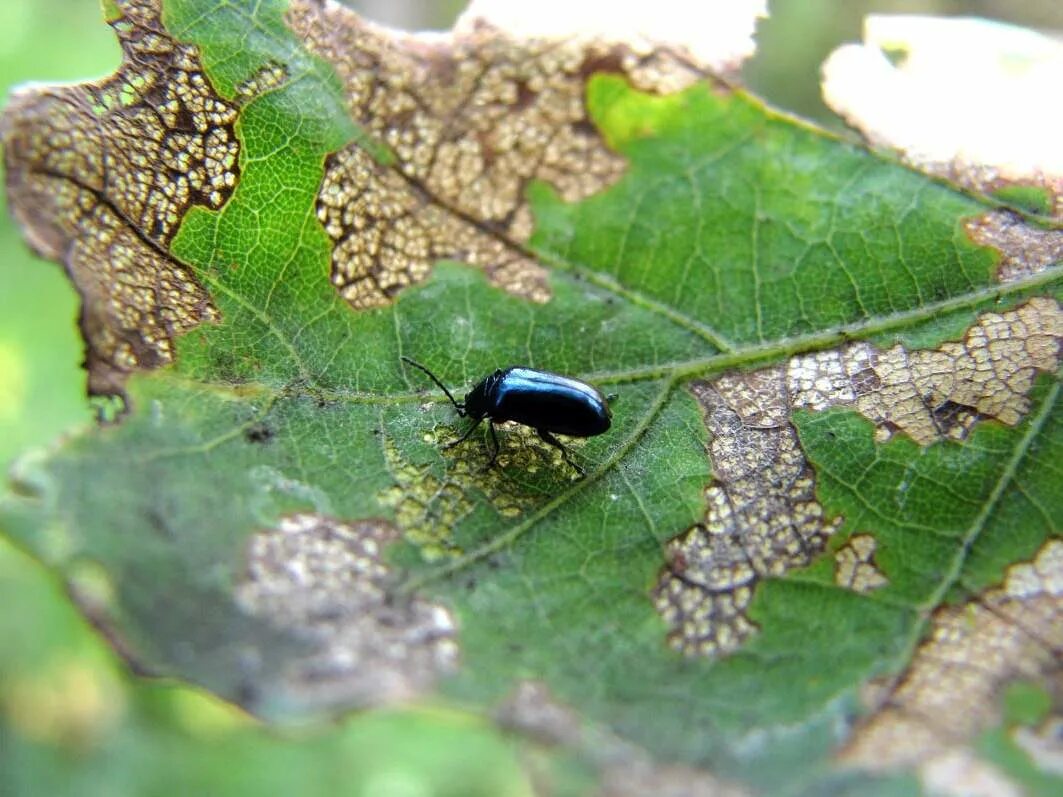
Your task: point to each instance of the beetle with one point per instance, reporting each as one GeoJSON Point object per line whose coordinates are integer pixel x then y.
{"type": "Point", "coordinates": [548, 403]}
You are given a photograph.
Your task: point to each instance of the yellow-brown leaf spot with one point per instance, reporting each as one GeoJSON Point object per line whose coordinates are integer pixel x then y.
{"type": "Point", "coordinates": [934, 394]}
{"type": "Point", "coordinates": [428, 508]}
{"type": "Point", "coordinates": [327, 582]}
{"type": "Point", "coordinates": [268, 78]}
{"type": "Point", "coordinates": [762, 517]}
{"type": "Point", "coordinates": [471, 118]}
{"type": "Point", "coordinates": [100, 176]}
{"type": "Point", "coordinates": [951, 690]}
{"type": "Point", "coordinates": [855, 566]}
{"type": "Point", "coordinates": [1024, 249]}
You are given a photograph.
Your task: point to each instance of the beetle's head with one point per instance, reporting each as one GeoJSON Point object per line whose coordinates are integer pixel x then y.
{"type": "Point", "coordinates": [479, 400]}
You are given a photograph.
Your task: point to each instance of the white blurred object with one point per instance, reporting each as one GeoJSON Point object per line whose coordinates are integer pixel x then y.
{"type": "Point", "coordinates": [717, 34]}
{"type": "Point", "coordinates": [966, 91]}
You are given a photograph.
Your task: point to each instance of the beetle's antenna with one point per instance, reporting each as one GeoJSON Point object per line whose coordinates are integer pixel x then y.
{"type": "Point", "coordinates": [459, 407]}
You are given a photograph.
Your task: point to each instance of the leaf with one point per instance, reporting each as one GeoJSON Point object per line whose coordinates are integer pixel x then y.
{"type": "Point", "coordinates": [836, 415]}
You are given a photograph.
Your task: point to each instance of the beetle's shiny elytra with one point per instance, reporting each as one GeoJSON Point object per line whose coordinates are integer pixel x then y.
{"type": "Point", "coordinates": [548, 403]}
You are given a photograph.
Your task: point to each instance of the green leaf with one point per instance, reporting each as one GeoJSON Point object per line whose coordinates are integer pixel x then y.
{"type": "Point", "coordinates": [833, 419]}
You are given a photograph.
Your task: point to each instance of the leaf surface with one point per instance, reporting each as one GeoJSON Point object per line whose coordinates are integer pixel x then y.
{"type": "Point", "coordinates": [833, 416]}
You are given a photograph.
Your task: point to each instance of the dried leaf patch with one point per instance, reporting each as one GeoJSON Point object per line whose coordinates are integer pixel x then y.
{"type": "Point", "coordinates": [855, 566]}
{"type": "Point", "coordinates": [1024, 249]}
{"type": "Point", "coordinates": [326, 581]}
{"type": "Point", "coordinates": [934, 394]}
{"type": "Point", "coordinates": [428, 508]}
{"type": "Point", "coordinates": [471, 119]}
{"type": "Point", "coordinates": [949, 692]}
{"type": "Point", "coordinates": [762, 518]}
{"type": "Point", "coordinates": [100, 176]}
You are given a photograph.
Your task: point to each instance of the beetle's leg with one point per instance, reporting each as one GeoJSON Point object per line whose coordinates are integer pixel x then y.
{"type": "Point", "coordinates": [546, 437]}
{"type": "Point", "coordinates": [465, 436]}
{"type": "Point", "coordinates": [494, 440]}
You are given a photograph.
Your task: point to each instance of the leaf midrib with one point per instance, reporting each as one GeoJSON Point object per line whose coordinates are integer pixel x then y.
{"type": "Point", "coordinates": [675, 372]}
{"type": "Point", "coordinates": [698, 367]}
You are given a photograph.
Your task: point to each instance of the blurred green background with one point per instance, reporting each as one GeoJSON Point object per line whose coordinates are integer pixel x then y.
{"type": "Point", "coordinates": [72, 720]}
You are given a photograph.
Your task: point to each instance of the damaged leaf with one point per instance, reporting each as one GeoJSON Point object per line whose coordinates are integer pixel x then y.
{"type": "Point", "coordinates": [835, 423]}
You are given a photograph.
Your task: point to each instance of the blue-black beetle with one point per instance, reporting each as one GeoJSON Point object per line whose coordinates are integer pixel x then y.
{"type": "Point", "coordinates": [548, 403]}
